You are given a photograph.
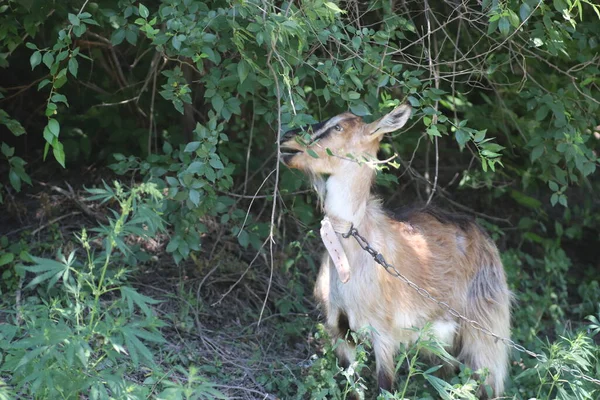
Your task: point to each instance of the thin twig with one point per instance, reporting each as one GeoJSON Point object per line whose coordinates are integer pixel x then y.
{"type": "Point", "coordinates": [255, 197]}
{"type": "Point", "coordinates": [152, 97]}
{"type": "Point", "coordinates": [248, 151]}
{"type": "Point", "coordinates": [55, 220]}
{"type": "Point", "coordinates": [434, 119]}
{"type": "Point", "coordinates": [276, 187]}
{"type": "Point", "coordinates": [258, 253]}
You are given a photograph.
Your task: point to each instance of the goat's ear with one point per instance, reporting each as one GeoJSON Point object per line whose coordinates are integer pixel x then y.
{"type": "Point", "coordinates": [390, 122]}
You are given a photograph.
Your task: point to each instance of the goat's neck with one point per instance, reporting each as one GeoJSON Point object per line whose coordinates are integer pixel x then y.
{"type": "Point", "coordinates": [347, 196]}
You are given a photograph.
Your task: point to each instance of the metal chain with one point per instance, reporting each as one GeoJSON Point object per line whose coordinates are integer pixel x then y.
{"type": "Point", "coordinates": [379, 259]}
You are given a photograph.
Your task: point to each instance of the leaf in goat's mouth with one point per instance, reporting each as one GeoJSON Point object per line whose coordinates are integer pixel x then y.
{"type": "Point", "coordinates": [290, 152]}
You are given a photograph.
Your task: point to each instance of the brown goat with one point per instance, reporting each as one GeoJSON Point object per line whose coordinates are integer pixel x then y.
{"type": "Point", "coordinates": [452, 259]}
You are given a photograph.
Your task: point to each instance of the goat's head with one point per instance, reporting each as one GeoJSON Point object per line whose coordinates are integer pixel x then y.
{"type": "Point", "coordinates": [327, 147]}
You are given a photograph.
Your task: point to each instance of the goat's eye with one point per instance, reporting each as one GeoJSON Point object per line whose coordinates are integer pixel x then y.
{"type": "Point", "coordinates": [337, 128]}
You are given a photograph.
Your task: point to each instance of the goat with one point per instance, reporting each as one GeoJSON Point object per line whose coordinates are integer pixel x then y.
{"type": "Point", "coordinates": [455, 261]}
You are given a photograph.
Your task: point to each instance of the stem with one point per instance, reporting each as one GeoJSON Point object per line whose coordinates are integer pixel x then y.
{"type": "Point", "coordinates": [542, 383]}
{"type": "Point", "coordinates": [554, 380]}
{"type": "Point", "coordinates": [411, 370]}
{"type": "Point", "coordinates": [98, 290]}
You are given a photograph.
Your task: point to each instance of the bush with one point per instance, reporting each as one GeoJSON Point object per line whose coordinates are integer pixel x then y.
{"type": "Point", "coordinates": [187, 99]}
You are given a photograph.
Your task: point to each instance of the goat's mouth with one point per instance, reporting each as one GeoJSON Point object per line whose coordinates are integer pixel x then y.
{"type": "Point", "coordinates": [287, 153]}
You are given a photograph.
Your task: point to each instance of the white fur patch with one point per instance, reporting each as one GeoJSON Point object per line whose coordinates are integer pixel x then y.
{"type": "Point", "coordinates": [444, 330]}
{"type": "Point", "coordinates": [340, 201]}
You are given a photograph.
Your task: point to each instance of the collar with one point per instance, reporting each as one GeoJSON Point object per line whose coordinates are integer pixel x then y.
{"type": "Point", "coordinates": [339, 225]}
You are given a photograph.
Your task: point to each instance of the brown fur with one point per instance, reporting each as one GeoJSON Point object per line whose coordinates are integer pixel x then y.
{"type": "Point", "coordinates": [453, 260]}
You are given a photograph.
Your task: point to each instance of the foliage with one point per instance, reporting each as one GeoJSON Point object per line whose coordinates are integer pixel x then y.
{"type": "Point", "coordinates": [190, 97]}
{"type": "Point", "coordinates": [81, 333]}
{"type": "Point", "coordinates": [192, 176]}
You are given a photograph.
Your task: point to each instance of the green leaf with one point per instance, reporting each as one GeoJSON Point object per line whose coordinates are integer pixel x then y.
{"type": "Point", "coordinates": [334, 7]}
{"type": "Point", "coordinates": [50, 111]}
{"type": "Point", "coordinates": [524, 11]}
{"type": "Point", "coordinates": [54, 127]}
{"type": "Point", "coordinates": [537, 152]}
{"type": "Point", "coordinates": [73, 66]}
{"type": "Point", "coordinates": [172, 246]}
{"type": "Point", "coordinates": [73, 19]}
{"type": "Point", "coordinates": [243, 70]}
{"type": "Point", "coordinates": [433, 131]}
{"type": "Point", "coordinates": [489, 154]}
{"type": "Point", "coordinates": [6, 258]}
{"type": "Point", "coordinates": [504, 26]}
{"type": "Point", "coordinates": [15, 181]}
{"type": "Point", "coordinates": [243, 238]}
{"type": "Point", "coordinates": [131, 36]}
{"type": "Point", "coordinates": [462, 137]}
{"type": "Point", "coordinates": [194, 197]}
{"type": "Point", "coordinates": [541, 112]}
{"type": "Point", "coordinates": [191, 147]}
{"type": "Point", "coordinates": [35, 59]}
{"type": "Point", "coordinates": [144, 13]}
{"type": "Point", "coordinates": [79, 30]}
{"type": "Point", "coordinates": [176, 42]}
{"type": "Point", "coordinates": [513, 18]}
{"type": "Point", "coordinates": [7, 150]}
{"type": "Point", "coordinates": [134, 346]}
{"type": "Point", "coordinates": [133, 297]}
{"type": "Point", "coordinates": [117, 37]}
{"type": "Point", "coordinates": [12, 124]}
{"type": "Point", "coordinates": [553, 186]}
{"type": "Point", "coordinates": [59, 98]}
{"type": "Point", "coordinates": [196, 167]}
{"type": "Point", "coordinates": [45, 269]}
{"type": "Point", "coordinates": [217, 102]}
{"type": "Point", "coordinates": [216, 163]}
{"type": "Point", "coordinates": [479, 136]}
{"type": "Point", "coordinates": [59, 152]}
{"type": "Point", "coordinates": [360, 109]}
{"type": "Point", "coordinates": [172, 181]}
{"type": "Point", "coordinates": [43, 83]}
{"type": "Point", "coordinates": [559, 5]}
{"type": "Point", "coordinates": [525, 200]}
{"type": "Point", "coordinates": [48, 59]}
{"type": "Point", "coordinates": [48, 136]}
{"type": "Point", "coordinates": [441, 386]}
{"type": "Point", "coordinates": [562, 199]}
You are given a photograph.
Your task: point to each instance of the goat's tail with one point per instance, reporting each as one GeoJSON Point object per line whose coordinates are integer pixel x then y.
{"type": "Point", "coordinates": [488, 303]}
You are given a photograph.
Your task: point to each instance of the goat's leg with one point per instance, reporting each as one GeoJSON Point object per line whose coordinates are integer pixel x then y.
{"type": "Point", "coordinates": [384, 356]}
{"type": "Point", "coordinates": [483, 351]}
{"type": "Point", "coordinates": [489, 304]}
{"type": "Point", "coordinates": [346, 348]}
{"type": "Point", "coordinates": [345, 352]}
{"type": "Point", "coordinates": [343, 343]}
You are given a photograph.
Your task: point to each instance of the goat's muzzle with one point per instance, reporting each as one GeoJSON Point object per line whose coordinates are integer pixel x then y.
{"type": "Point", "coordinates": [289, 146]}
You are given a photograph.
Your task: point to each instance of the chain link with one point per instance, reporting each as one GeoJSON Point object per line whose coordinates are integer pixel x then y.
{"type": "Point", "coordinates": [379, 259]}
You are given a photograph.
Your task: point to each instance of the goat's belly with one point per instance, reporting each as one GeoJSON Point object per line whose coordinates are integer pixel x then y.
{"type": "Point", "coordinates": [360, 299]}
{"type": "Point", "coordinates": [408, 327]}
{"type": "Point", "coordinates": [368, 313]}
